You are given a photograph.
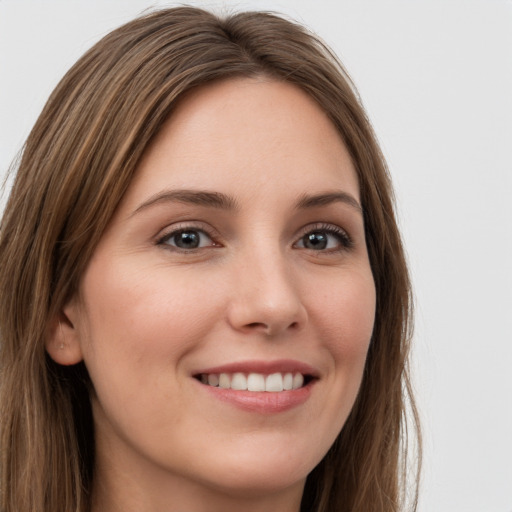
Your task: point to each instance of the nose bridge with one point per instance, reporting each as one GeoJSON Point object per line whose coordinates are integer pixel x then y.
{"type": "Point", "coordinates": [266, 296]}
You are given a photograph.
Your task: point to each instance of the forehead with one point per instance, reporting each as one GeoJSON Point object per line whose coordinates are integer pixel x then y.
{"type": "Point", "coordinates": [246, 131]}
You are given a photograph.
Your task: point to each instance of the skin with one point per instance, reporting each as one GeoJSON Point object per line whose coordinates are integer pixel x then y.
{"type": "Point", "coordinates": [150, 315]}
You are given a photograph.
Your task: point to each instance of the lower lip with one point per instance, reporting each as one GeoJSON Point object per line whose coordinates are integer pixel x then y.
{"type": "Point", "coordinates": [262, 402]}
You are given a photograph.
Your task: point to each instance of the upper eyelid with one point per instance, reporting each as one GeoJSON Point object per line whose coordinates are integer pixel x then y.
{"type": "Point", "coordinates": [168, 231]}
{"type": "Point", "coordinates": [324, 226]}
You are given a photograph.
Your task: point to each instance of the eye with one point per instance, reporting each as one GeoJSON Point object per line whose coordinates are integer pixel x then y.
{"type": "Point", "coordinates": [324, 238]}
{"type": "Point", "coordinates": [187, 239]}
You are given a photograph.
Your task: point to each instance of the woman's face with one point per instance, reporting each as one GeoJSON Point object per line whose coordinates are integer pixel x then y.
{"type": "Point", "coordinates": [237, 255]}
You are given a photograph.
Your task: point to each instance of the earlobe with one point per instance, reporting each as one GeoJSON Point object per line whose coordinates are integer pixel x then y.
{"type": "Point", "coordinates": [63, 341]}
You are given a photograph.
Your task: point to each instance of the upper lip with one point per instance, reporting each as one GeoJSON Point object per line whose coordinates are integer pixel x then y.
{"type": "Point", "coordinates": [263, 367]}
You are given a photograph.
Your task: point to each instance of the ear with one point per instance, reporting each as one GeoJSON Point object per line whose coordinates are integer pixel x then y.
{"type": "Point", "coordinates": [62, 339]}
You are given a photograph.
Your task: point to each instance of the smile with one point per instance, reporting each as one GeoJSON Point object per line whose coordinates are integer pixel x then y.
{"type": "Point", "coordinates": [263, 387]}
{"type": "Point", "coordinates": [255, 382]}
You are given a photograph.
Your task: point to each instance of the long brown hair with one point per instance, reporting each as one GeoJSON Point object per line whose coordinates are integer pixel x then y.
{"type": "Point", "coordinates": [76, 165]}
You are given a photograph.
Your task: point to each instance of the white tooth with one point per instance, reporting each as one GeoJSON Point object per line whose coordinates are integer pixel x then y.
{"type": "Point", "coordinates": [288, 381]}
{"type": "Point", "coordinates": [213, 379]}
{"type": "Point", "coordinates": [224, 381]}
{"type": "Point", "coordinates": [274, 382]}
{"type": "Point", "coordinates": [255, 382]}
{"type": "Point", "coordinates": [204, 378]}
{"type": "Point", "coordinates": [298, 381]}
{"type": "Point", "coordinates": [239, 382]}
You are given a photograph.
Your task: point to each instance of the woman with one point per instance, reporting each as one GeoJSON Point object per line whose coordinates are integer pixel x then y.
{"type": "Point", "coordinates": [208, 303]}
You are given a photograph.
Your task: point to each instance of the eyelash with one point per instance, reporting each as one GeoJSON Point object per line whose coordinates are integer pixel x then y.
{"type": "Point", "coordinates": [340, 234]}
{"type": "Point", "coordinates": [184, 229]}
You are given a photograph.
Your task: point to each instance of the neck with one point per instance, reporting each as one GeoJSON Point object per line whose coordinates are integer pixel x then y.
{"type": "Point", "coordinates": [177, 494]}
{"type": "Point", "coordinates": [125, 485]}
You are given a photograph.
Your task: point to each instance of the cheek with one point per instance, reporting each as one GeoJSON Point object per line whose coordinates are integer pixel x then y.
{"type": "Point", "coordinates": [139, 327]}
{"type": "Point", "coordinates": [345, 314]}
{"type": "Point", "coordinates": [139, 319]}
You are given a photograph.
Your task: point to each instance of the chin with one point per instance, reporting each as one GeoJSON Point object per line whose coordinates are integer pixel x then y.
{"type": "Point", "coordinates": [265, 473]}
{"type": "Point", "coordinates": [257, 483]}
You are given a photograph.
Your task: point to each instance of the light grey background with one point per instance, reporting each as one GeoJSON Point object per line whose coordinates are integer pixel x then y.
{"type": "Point", "coordinates": [436, 78]}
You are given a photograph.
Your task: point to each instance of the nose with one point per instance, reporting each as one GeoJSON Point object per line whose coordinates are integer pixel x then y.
{"type": "Point", "coordinates": [266, 299]}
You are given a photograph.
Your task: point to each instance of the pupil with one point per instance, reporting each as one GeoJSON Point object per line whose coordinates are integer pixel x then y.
{"type": "Point", "coordinates": [316, 240]}
{"type": "Point", "coordinates": [187, 240]}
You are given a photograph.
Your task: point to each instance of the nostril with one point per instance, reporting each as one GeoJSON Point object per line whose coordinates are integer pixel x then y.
{"type": "Point", "coordinates": [270, 328]}
{"type": "Point", "coordinates": [255, 325]}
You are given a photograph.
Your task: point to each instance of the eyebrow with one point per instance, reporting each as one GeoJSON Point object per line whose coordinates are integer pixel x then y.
{"type": "Point", "coordinates": [224, 202]}
{"type": "Point", "coordinates": [196, 197]}
{"type": "Point", "coordinates": [327, 198]}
